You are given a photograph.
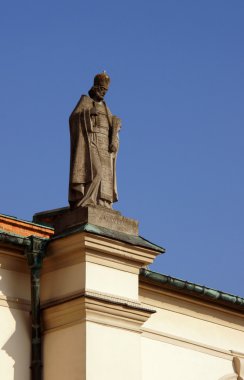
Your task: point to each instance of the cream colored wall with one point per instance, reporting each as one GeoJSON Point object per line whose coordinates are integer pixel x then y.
{"type": "Point", "coordinates": [14, 284]}
{"type": "Point", "coordinates": [74, 279]}
{"type": "Point", "coordinates": [15, 329]}
{"type": "Point", "coordinates": [87, 262]}
{"type": "Point", "coordinates": [167, 361]}
{"type": "Point", "coordinates": [111, 281]}
{"type": "Point", "coordinates": [112, 353]}
{"type": "Point", "coordinates": [188, 339]}
{"type": "Point", "coordinates": [64, 353]}
{"type": "Point", "coordinates": [98, 328]}
{"type": "Point", "coordinates": [62, 282]}
{"type": "Point", "coordinates": [216, 333]}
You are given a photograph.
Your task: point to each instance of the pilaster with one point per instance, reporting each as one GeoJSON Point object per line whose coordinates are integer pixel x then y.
{"type": "Point", "coordinates": [90, 306]}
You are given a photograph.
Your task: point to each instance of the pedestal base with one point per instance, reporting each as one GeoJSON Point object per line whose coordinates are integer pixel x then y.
{"type": "Point", "coordinates": [64, 219]}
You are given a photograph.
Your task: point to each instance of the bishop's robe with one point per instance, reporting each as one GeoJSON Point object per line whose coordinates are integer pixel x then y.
{"type": "Point", "coordinates": [92, 165]}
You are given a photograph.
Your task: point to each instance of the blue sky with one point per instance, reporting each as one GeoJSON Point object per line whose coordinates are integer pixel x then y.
{"type": "Point", "coordinates": [177, 82]}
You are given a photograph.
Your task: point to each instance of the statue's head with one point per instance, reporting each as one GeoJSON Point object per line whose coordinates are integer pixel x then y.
{"type": "Point", "coordinates": [100, 86]}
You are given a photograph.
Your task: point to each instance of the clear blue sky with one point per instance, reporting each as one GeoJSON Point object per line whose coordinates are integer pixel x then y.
{"type": "Point", "coordinates": [177, 71]}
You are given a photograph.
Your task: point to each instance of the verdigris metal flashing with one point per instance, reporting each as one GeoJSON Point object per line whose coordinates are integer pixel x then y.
{"type": "Point", "coordinates": [193, 289]}
{"type": "Point", "coordinates": [11, 238]}
{"type": "Point", "coordinates": [102, 231]}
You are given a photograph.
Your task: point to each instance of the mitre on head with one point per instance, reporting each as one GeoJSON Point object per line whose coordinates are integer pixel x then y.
{"type": "Point", "coordinates": [102, 80]}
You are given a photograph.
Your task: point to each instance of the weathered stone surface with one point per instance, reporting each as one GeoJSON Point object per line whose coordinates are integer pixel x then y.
{"type": "Point", "coordinates": [94, 147]}
{"type": "Point", "coordinates": [63, 219]}
{"type": "Point", "coordinates": [98, 216]}
{"type": "Point", "coordinates": [49, 217]}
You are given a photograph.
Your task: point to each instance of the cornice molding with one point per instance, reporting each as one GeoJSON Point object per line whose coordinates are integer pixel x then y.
{"type": "Point", "coordinates": [97, 308]}
{"type": "Point", "coordinates": [187, 343]}
{"type": "Point", "coordinates": [85, 247]}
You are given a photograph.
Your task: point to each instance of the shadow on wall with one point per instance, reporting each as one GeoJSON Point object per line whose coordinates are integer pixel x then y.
{"type": "Point", "coordinates": [15, 326]}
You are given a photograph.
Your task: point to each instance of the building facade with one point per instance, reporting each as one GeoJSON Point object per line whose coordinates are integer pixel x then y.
{"type": "Point", "coordinates": [82, 305]}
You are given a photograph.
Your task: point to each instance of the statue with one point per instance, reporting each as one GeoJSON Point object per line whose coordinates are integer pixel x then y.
{"type": "Point", "coordinates": [94, 145]}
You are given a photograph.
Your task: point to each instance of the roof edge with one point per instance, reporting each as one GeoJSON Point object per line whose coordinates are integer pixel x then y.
{"type": "Point", "coordinates": [196, 290]}
{"type": "Point", "coordinates": [16, 220]}
{"type": "Point", "coordinates": [112, 234]}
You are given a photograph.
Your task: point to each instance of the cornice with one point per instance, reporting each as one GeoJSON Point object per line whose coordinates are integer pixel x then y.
{"type": "Point", "coordinates": [85, 247]}
{"type": "Point", "coordinates": [97, 308]}
{"type": "Point", "coordinates": [187, 343]}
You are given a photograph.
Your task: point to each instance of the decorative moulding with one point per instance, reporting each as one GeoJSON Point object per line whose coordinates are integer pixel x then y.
{"type": "Point", "coordinates": [97, 308]}
{"type": "Point", "coordinates": [85, 247]}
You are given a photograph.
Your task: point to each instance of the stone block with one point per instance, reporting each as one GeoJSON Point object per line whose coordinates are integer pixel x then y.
{"type": "Point", "coordinates": [64, 218]}
{"type": "Point", "coordinates": [98, 216]}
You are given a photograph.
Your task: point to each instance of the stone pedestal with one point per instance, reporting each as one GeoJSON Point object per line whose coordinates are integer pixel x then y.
{"type": "Point", "coordinates": [64, 219]}
{"type": "Point", "coordinates": [98, 216]}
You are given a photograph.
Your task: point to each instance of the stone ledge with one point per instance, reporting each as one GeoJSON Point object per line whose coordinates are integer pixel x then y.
{"type": "Point", "coordinates": [87, 308]}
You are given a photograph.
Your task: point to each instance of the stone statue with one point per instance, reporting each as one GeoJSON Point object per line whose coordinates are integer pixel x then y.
{"type": "Point", "coordinates": [93, 149]}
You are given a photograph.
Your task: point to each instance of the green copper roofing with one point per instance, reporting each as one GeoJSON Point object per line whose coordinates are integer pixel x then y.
{"type": "Point", "coordinates": [193, 289]}
{"type": "Point", "coordinates": [15, 239]}
{"type": "Point", "coordinates": [126, 238]}
{"type": "Point", "coordinates": [9, 237]}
